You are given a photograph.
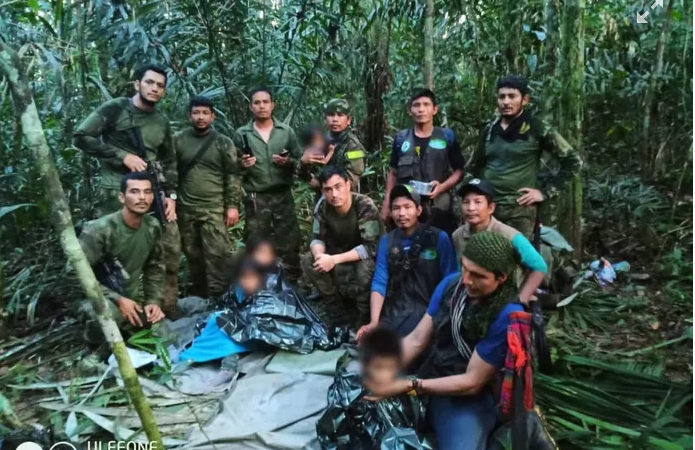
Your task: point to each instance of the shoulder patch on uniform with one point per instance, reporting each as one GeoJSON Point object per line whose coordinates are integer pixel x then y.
{"type": "Point", "coordinates": [405, 146]}
{"type": "Point", "coordinates": [355, 154]}
{"type": "Point", "coordinates": [438, 144]}
{"type": "Point", "coordinates": [524, 128]}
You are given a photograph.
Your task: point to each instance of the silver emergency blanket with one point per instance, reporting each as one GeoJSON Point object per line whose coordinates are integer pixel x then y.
{"type": "Point", "coordinates": [281, 319]}
{"type": "Point", "coordinates": [351, 422]}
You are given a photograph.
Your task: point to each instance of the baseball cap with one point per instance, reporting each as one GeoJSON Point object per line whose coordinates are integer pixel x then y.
{"type": "Point", "coordinates": [477, 185]}
{"type": "Point", "coordinates": [337, 105]}
{"type": "Point", "coordinates": [403, 190]}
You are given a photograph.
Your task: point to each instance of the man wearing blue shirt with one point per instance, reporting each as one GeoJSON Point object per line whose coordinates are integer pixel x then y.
{"type": "Point", "coordinates": [466, 324]}
{"type": "Point", "coordinates": [411, 261]}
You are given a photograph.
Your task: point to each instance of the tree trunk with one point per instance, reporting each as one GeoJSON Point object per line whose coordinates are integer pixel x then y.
{"type": "Point", "coordinates": [551, 39]}
{"type": "Point", "coordinates": [429, 45]}
{"type": "Point", "coordinates": [377, 78]}
{"type": "Point", "coordinates": [25, 108]}
{"type": "Point", "coordinates": [650, 96]}
{"type": "Point", "coordinates": [572, 106]}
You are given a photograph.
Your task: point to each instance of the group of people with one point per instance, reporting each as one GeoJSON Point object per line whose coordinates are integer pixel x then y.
{"type": "Point", "coordinates": [446, 288]}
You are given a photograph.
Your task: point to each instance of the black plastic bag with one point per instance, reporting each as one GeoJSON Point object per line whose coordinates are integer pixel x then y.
{"type": "Point", "coordinates": [282, 319]}
{"type": "Point", "coordinates": [351, 422]}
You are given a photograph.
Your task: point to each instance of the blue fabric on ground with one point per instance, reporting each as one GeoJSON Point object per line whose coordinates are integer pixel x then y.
{"type": "Point", "coordinates": [212, 344]}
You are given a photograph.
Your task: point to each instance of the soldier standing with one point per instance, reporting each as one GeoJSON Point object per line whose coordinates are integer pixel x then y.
{"type": "Point", "coordinates": [343, 147]}
{"type": "Point", "coordinates": [509, 157]}
{"type": "Point", "coordinates": [111, 133]}
{"type": "Point", "coordinates": [270, 156]}
{"type": "Point", "coordinates": [128, 243]}
{"type": "Point", "coordinates": [209, 198]}
{"type": "Point", "coordinates": [344, 242]}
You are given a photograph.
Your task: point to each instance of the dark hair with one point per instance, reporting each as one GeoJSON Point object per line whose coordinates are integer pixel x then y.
{"type": "Point", "coordinates": [142, 70]}
{"type": "Point", "coordinates": [308, 133]}
{"type": "Point", "coordinates": [258, 89]}
{"type": "Point", "coordinates": [514, 82]}
{"type": "Point", "coordinates": [199, 100]}
{"type": "Point", "coordinates": [380, 343]}
{"type": "Point", "coordinates": [249, 265]}
{"type": "Point", "coordinates": [330, 171]}
{"type": "Point", "coordinates": [424, 92]}
{"type": "Point", "coordinates": [490, 199]}
{"type": "Point", "coordinates": [254, 242]}
{"type": "Point", "coordinates": [139, 176]}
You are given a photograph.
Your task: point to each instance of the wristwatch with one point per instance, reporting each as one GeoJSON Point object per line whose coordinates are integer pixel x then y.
{"type": "Point", "coordinates": [173, 196]}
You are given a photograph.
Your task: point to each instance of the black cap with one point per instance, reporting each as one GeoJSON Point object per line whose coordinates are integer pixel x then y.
{"type": "Point", "coordinates": [403, 190]}
{"type": "Point", "coordinates": [477, 185]}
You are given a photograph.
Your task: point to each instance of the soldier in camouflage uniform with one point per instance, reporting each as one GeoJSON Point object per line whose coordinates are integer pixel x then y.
{"type": "Point", "coordinates": [209, 199]}
{"type": "Point", "coordinates": [344, 243]}
{"type": "Point", "coordinates": [509, 156]}
{"type": "Point", "coordinates": [270, 156]}
{"type": "Point", "coordinates": [343, 149]}
{"type": "Point", "coordinates": [105, 135]}
{"type": "Point", "coordinates": [129, 241]}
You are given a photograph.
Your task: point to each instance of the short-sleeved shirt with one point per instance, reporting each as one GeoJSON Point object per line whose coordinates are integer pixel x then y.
{"type": "Point", "coordinates": [529, 256]}
{"type": "Point", "coordinates": [456, 160]}
{"type": "Point", "coordinates": [492, 348]}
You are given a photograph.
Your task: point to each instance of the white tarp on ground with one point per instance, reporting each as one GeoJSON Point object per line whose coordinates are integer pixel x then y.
{"type": "Point", "coordinates": [271, 411]}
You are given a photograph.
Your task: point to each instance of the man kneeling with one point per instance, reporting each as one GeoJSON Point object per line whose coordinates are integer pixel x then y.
{"type": "Point", "coordinates": [467, 323]}
{"type": "Point", "coordinates": [345, 237]}
{"type": "Point", "coordinates": [128, 242]}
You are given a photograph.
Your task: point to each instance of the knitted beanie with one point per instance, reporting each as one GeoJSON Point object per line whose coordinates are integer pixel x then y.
{"type": "Point", "coordinates": [492, 252]}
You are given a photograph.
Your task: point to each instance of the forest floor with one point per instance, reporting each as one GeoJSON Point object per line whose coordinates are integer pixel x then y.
{"type": "Point", "coordinates": [619, 341]}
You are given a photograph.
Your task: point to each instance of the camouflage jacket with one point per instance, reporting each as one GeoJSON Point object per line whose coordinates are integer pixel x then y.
{"type": "Point", "coordinates": [360, 229]}
{"type": "Point", "coordinates": [104, 135]}
{"type": "Point", "coordinates": [139, 252]}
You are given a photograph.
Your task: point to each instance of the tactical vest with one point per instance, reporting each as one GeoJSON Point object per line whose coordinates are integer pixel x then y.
{"type": "Point", "coordinates": [445, 359]}
{"type": "Point", "coordinates": [340, 155]}
{"type": "Point", "coordinates": [432, 164]}
{"type": "Point", "coordinates": [413, 275]}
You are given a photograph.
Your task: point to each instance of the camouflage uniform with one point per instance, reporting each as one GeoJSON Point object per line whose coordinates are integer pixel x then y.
{"type": "Point", "coordinates": [269, 204]}
{"type": "Point", "coordinates": [209, 189]}
{"type": "Point", "coordinates": [345, 289]}
{"type": "Point", "coordinates": [140, 254]}
{"type": "Point", "coordinates": [103, 134]}
{"type": "Point", "coordinates": [510, 160]}
{"type": "Point", "coordinates": [348, 152]}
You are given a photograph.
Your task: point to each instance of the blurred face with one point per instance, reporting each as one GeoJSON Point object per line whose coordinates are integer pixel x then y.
{"type": "Point", "coordinates": [152, 87]}
{"type": "Point", "coordinates": [475, 208]}
{"type": "Point", "coordinates": [262, 106]}
{"type": "Point", "coordinates": [264, 255]}
{"type": "Point", "coordinates": [422, 110]}
{"type": "Point", "coordinates": [382, 370]}
{"type": "Point", "coordinates": [510, 102]}
{"type": "Point", "coordinates": [201, 117]}
{"type": "Point", "coordinates": [138, 196]}
{"type": "Point", "coordinates": [405, 213]}
{"type": "Point", "coordinates": [479, 282]}
{"type": "Point", "coordinates": [338, 122]}
{"type": "Point", "coordinates": [336, 190]}
{"type": "Point", "coordinates": [250, 282]}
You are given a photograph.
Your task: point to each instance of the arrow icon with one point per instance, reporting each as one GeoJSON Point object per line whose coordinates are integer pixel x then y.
{"type": "Point", "coordinates": [640, 18]}
{"type": "Point", "coordinates": [659, 3]}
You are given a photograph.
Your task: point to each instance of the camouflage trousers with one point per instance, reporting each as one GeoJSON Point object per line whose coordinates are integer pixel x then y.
{"type": "Point", "coordinates": [523, 218]}
{"type": "Point", "coordinates": [272, 216]}
{"type": "Point", "coordinates": [171, 242]}
{"type": "Point", "coordinates": [345, 291]}
{"type": "Point", "coordinates": [207, 247]}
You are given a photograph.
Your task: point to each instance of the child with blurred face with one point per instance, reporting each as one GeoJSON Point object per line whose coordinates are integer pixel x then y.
{"type": "Point", "coordinates": [250, 280]}
{"type": "Point", "coordinates": [380, 356]}
{"type": "Point", "coordinates": [261, 252]}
